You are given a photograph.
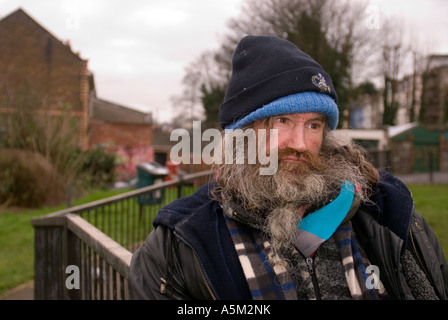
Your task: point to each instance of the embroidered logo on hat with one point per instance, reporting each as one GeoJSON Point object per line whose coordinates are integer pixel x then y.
{"type": "Point", "coordinates": [319, 81]}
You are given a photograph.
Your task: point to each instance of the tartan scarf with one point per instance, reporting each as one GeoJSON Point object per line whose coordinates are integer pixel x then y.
{"type": "Point", "coordinates": [277, 283]}
{"type": "Point", "coordinates": [356, 266]}
{"type": "Point", "coordinates": [265, 282]}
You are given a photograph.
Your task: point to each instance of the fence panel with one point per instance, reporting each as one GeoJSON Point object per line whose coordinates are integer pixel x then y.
{"type": "Point", "coordinates": [97, 239]}
{"type": "Point", "coordinates": [98, 253]}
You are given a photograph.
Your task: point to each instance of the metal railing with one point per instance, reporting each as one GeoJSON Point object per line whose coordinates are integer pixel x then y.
{"type": "Point", "coordinates": [84, 252]}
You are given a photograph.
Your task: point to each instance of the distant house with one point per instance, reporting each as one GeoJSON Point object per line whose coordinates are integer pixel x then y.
{"type": "Point", "coordinates": [421, 97]}
{"type": "Point", "coordinates": [408, 97]}
{"type": "Point", "coordinates": [404, 149]}
{"type": "Point", "coordinates": [111, 123]}
{"type": "Point", "coordinates": [366, 111]}
{"type": "Point", "coordinates": [424, 96]}
{"type": "Point", "coordinates": [32, 60]}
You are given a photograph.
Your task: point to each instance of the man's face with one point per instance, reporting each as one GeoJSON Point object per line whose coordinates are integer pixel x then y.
{"type": "Point", "coordinates": [312, 166]}
{"type": "Point", "coordinates": [298, 133]}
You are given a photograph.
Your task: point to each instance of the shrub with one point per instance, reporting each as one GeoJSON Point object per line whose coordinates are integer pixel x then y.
{"type": "Point", "coordinates": [28, 179]}
{"type": "Point", "coordinates": [100, 165]}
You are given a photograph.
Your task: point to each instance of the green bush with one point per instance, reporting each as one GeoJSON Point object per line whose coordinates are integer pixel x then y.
{"type": "Point", "coordinates": [100, 165]}
{"type": "Point", "coordinates": [28, 179]}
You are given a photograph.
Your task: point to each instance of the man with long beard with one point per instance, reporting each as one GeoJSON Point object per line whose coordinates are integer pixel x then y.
{"type": "Point", "coordinates": [325, 225]}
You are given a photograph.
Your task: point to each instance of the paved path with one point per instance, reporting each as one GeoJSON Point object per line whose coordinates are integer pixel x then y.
{"type": "Point", "coordinates": [24, 291]}
{"type": "Point", "coordinates": [437, 177]}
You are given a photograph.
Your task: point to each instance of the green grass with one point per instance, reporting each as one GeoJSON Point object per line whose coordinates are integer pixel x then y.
{"type": "Point", "coordinates": [431, 201]}
{"type": "Point", "coordinates": [17, 234]}
{"type": "Point", "coordinates": [17, 240]}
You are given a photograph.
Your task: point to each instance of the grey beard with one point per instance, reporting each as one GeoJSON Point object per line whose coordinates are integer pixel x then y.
{"type": "Point", "coordinates": [307, 184]}
{"type": "Point", "coordinates": [275, 204]}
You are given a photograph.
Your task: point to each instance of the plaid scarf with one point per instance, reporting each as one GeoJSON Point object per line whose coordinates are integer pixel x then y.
{"type": "Point", "coordinates": [264, 281]}
{"type": "Point", "coordinates": [278, 283]}
{"type": "Point", "coordinates": [356, 265]}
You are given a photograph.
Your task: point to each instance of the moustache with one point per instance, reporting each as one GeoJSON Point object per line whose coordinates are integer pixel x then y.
{"type": "Point", "coordinates": [305, 161]}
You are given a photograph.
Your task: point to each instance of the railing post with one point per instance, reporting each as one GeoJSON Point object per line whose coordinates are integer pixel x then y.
{"type": "Point", "coordinates": [431, 167]}
{"type": "Point", "coordinates": [48, 273]}
{"type": "Point", "coordinates": [180, 185]}
{"type": "Point", "coordinates": [72, 258]}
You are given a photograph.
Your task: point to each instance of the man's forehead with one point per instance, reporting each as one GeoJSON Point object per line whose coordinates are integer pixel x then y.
{"type": "Point", "coordinates": [306, 116]}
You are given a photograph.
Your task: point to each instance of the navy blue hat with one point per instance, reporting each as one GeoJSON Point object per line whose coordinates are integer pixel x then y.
{"type": "Point", "coordinates": [271, 76]}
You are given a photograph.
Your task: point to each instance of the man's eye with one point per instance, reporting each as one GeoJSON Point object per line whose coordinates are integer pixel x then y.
{"type": "Point", "coordinates": [281, 120]}
{"type": "Point", "coordinates": [315, 125]}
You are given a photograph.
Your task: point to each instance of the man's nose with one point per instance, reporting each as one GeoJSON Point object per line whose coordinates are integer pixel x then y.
{"type": "Point", "coordinates": [297, 140]}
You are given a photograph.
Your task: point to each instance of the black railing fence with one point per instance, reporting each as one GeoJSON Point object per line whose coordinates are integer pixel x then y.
{"type": "Point", "coordinates": [84, 252]}
{"type": "Point", "coordinates": [424, 170]}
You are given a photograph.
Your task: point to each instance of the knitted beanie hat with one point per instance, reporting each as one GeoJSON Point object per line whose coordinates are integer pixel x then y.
{"type": "Point", "coordinates": [271, 76]}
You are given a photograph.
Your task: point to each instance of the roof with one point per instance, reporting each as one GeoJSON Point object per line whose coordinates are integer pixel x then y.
{"type": "Point", "coordinates": [421, 135]}
{"type": "Point", "coordinates": [397, 130]}
{"type": "Point", "coordinates": [112, 112]}
{"type": "Point", "coordinates": [21, 15]}
{"type": "Point", "coordinates": [437, 61]}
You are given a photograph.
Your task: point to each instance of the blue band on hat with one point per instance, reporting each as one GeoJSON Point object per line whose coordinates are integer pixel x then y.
{"type": "Point", "coordinates": [302, 102]}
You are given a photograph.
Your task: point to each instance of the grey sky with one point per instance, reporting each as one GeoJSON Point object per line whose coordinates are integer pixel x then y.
{"type": "Point", "coordinates": [137, 49]}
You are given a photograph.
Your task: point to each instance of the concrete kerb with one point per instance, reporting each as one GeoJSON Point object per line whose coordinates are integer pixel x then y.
{"type": "Point", "coordinates": [25, 291]}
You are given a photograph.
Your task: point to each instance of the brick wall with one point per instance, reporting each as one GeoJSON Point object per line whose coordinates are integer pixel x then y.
{"type": "Point", "coordinates": [101, 132]}
{"type": "Point", "coordinates": [132, 142]}
{"type": "Point", "coordinates": [33, 61]}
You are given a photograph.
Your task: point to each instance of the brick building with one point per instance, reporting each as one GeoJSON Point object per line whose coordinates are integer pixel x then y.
{"type": "Point", "coordinates": [33, 61]}
{"type": "Point", "coordinates": [123, 130]}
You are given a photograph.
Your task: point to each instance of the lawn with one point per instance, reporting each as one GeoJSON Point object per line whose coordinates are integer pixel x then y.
{"type": "Point", "coordinates": [431, 201]}
{"type": "Point", "coordinates": [17, 235]}
{"type": "Point", "coordinates": [17, 240]}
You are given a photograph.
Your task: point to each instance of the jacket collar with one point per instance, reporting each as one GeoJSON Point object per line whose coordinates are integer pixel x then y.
{"type": "Point", "coordinates": [204, 230]}
{"type": "Point", "coordinates": [393, 204]}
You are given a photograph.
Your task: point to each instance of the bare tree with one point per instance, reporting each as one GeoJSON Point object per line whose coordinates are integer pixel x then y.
{"type": "Point", "coordinates": [426, 63]}
{"type": "Point", "coordinates": [394, 52]}
{"type": "Point", "coordinates": [332, 32]}
{"type": "Point", "coordinates": [187, 104]}
{"type": "Point", "coordinates": [420, 65]}
{"type": "Point", "coordinates": [202, 80]}
{"type": "Point", "coordinates": [53, 133]}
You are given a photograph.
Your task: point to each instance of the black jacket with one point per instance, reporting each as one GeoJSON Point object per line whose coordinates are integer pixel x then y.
{"type": "Point", "coordinates": [190, 254]}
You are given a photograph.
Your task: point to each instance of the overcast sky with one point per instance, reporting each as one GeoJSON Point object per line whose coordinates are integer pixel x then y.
{"type": "Point", "coordinates": [137, 49]}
